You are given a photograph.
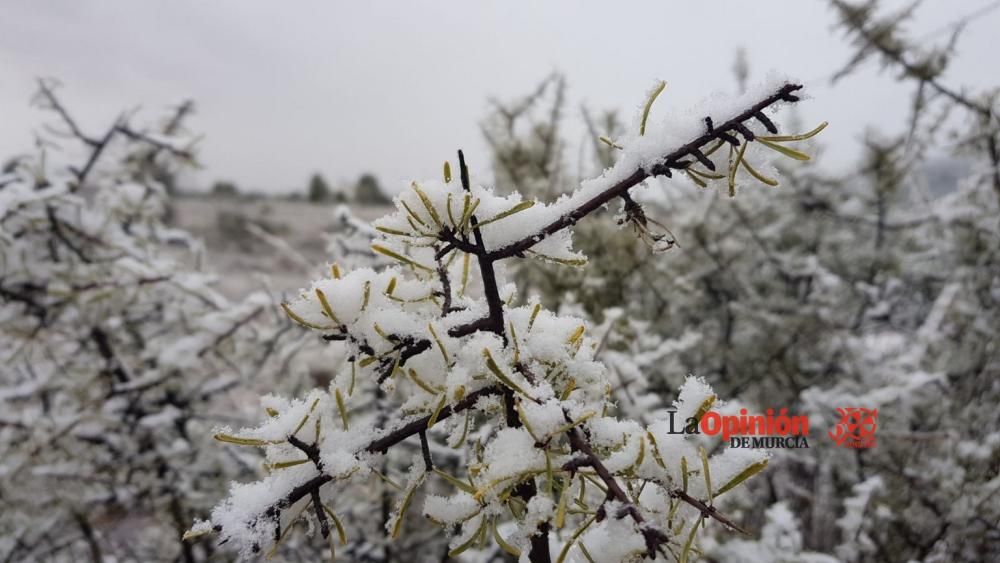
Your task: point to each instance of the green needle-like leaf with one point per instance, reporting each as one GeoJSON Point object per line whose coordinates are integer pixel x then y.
{"type": "Point", "coordinates": [790, 153]}
{"type": "Point", "coordinates": [649, 105]}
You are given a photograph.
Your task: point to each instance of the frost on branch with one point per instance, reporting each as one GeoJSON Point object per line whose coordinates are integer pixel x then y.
{"type": "Point", "coordinates": [547, 470]}
{"type": "Point", "coordinates": [114, 352]}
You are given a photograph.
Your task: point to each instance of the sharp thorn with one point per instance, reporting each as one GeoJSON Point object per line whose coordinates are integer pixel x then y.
{"type": "Point", "coordinates": [745, 131]}
{"type": "Point", "coordinates": [703, 159]}
{"type": "Point", "coordinates": [729, 139]}
{"type": "Point", "coordinates": [768, 124]}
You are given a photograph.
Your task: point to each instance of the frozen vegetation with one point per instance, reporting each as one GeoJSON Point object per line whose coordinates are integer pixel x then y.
{"type": "Point", "coordinates": [488, 368]}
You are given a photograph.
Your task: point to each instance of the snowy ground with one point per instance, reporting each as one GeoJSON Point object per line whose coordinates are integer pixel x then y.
{"type": "Point", "coordinates": [241, 258]}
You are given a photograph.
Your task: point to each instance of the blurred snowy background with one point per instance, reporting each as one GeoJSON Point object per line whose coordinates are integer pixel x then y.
{"type": "Point", "coordinates": [870, 278]}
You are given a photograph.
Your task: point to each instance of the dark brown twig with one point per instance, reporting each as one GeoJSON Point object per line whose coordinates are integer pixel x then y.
{"type": "Point", "coordinates": [578, 442]}
{"type": "Point", "coordinates": [324, 524]}
{"type": "Point", "coordinates": [706, 510]}
{"type": "Point", "coordinates": [669, 162]}
{"type": "Point", "coordinates": [489, 277]}
{"type": "Point", "coordinates": [382, 445]}
{"type": "Point", "coordinates": [493, 322]}
{"type": "Point", "coordinates": [425, 450]}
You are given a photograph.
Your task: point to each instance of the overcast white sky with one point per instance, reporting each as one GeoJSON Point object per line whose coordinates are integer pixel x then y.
{"type": "Point", "coordinates": [287, 88]}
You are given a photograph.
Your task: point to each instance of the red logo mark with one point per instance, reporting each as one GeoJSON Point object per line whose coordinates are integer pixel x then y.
{"type": "Point", "coordinates": [856, 428]}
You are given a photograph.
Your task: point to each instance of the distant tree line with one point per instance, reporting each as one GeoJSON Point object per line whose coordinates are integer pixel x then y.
{"type": "Point", "coordinates": [366, 191]}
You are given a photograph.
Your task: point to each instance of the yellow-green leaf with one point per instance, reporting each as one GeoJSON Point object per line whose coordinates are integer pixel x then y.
{"type": "Point", "coordinates": [503, 544]}
{"type": "Point", "coordinates": [504, 214]}
{"type": "Point", "coordinates": [649, 105]}
{"type": "Point", "coordinates": [609, 142]}
{"type": "Point", "coordinates": [191, 534]}
{"type": "Point", "coordinates": [760, 177]}
{"type": "Point", "coordinates": [656, 450]}
{"type": "Point", "coordinates": [742, 476]}
{"type": "Point", "coordinates": [244, 441]}
{"type": "Point", "coordinates": [583, 550]}
{"type": "Point", "coordinates": [704, 407]}
{"type": "Point", "coordinates": [466, 259]}
{"type": "Point", "coordinates": [437, 411]}
{"type": "Point", "coordinates": [576, 535]}
{"type": "Point", "coordinates": [399, 257]}
{"type": "Point", "coordinates": [467, 215]}
{"type": "Point", "coordinates": [451, 216]}
{"type": "Point", "coordinates": [802, 137]}
{"type": "Point", "coordinates": [421, 383]}
{"type": "Point", "coordinates": [534, 313]}
{"type": "Point", "coordinates": [405, 504]}
{"type": "Point", "coordinates": [306, 417]}
{"type": "Point", "coordinates": [708, 475]}
{"type": "Point", "coordinates": [440, 345]}
{"type": "Point", "coordinates": [295, 317]}
{"type": "Point", "coordinates": [342, 408]}
{"type": "Point", "coordinates": [427, 204]}
{"type": "Point", "coordinates": [366, 294]}
{"type": "Point", "coordinates": [287, 464]}
{"type": "Point", "coordinates": [698, 181]}
{"type": "Point", "coordinates": [341, 534]}
{"type": "Point", "coordinates": [413, 215]}
{"type": "Point", "coordinates": [564, 261]}
{"type": "Point", "coordinates": [576, 334]}
{"type": "Point", "coordinates": [458, 483]}
{"type": "Point", "coordinates": [733, 167]}
{"type": "Point", "coordinates": [499, 374]}
{"type": "Point", "coordinates": [684, 474]}
{"type": "Point", "coordinates": [690, 540]}
{"type": "Point", "coordinates": [561, 507]}
{"type": "Point", "coordinates": [790, 153]}
{"type": "Point", "coordinates": [326, 305]}
{"type": "Point", "coordinates": [469, 543]}
{"type": "Point", "coordinates": [465, 432]}
{"type": "Point", "coordinates": [389, 231]}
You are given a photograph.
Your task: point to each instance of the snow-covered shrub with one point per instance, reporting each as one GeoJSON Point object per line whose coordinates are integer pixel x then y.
{"type": "Point", "coordinates": [349, 242]}
{"type": "Point", "coordinates": [547, 467]}
{"type": "Point", "coordinates": [525, 140]}
{"type": "Point", "coordinates": [117, 358]}
{"type": "Point", "coordinates": [891, 304]}
{"type": "Point", "coordinates": [863, 287]}
{"type": "Point", "coordinates": [866, 288]}
{"type": "Point", "coordinates": [780, 541]}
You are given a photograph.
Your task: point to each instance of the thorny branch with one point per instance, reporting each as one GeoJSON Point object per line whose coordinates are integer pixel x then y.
{"type": "Point", "coordinates": [678, 159]}
{"type": "Point", "coordinates": [489, 277]}
{"type": "Point", "coordinates": [113, 349]}
{"type": "Point", "coordinates": [49, 100]}
{"type": "Point", "coordinates": [654, 537]}
{"type": "Point", "coordinates": [380, 445]}
{"type": "Point", "coordinates": [880, 38]}
{"type": "Point", "coordinates": [707, 510]}
{"type": "Point", "coordinates": [672, 161]}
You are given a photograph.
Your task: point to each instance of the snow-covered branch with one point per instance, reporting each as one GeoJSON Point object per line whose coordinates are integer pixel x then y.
{"type": "Point", "coordinates": [538, 437]}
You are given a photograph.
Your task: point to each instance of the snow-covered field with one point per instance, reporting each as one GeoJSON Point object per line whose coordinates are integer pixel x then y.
{"type": "Point", "coordinates": [242, 258]}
